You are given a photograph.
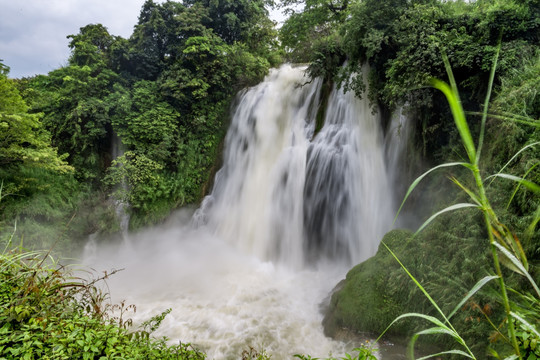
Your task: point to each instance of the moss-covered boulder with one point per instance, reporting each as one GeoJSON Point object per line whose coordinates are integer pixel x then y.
{"type": "Point", "coordinates": [447, 258]}
{"type": "Point", "coordinates": [373, 292]}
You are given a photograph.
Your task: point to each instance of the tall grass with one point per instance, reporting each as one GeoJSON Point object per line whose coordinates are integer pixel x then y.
{"type": "Point", "coordinates": [506, 249]}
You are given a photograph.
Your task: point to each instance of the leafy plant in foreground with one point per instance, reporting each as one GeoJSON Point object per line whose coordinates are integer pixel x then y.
{"type": "Point", "coordinates": [363, 353]}
{"type": "Point", "coordinates": [506, 248]}
{"type": "Point", "coordinates": [47, 313]}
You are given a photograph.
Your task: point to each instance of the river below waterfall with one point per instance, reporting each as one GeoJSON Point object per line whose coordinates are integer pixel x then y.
{"type": "Point", "coordinates": [291, 211]}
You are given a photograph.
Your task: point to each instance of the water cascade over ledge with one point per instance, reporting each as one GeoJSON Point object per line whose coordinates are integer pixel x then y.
{"type": "Point", "coordinates": [287, 195]}
{"type": "Point", "coordinates": [291, 210]}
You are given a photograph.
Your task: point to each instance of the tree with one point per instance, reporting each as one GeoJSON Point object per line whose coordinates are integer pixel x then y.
{"type": "Point", "coordinates": [23, 140]}
{"type": "Point", "coordinates": [157, 40]}
{"type": "Point", "coordinates": [233, 20]}
{"type": "Point", "coordinates": [315, 21]}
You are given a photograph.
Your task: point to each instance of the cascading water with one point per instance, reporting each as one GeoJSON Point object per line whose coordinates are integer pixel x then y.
{"type": "Point", "coordinates": [285, 197]}
{"type": "Point", "coordinates": [290, 211]}
{"type": "Point", "coordinates": [121, 206]}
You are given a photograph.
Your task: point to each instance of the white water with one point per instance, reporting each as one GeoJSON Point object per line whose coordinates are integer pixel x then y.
{"type": "Point", "coordinates": [285, 197]}
{"type": "Point", "coordinates": [121, 206]}
{"type": "Point", "coordinates": [290, 212]}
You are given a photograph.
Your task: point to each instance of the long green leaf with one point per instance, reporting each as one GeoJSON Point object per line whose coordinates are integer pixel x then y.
{"type": "Point", "coordinates": [436, 331]}
{"type": "Point", "coordinates": [519, 184]}
{"type": "Point", "coordinates": [514, 157]}
{"type": "Point", "coordinates": [472, 195]}
{"type": "Point", "coordinates": [530, 229]}
{"type": "Point", "coordinates": [510, 117]}
{"type": "Point", "coordinates": [524, 322]}
{"type": "Point", "coordinates": [431, 331]}
{"type": "Point", "coordinates": [421, 289]}
{"type": "Point", "coordinates": [429, 318]}
{"type": "Point", "coordinates": [528, 184]}
{"type": "Point", "coordinates": [418, 179]}
{"type": "Point", "coordinates": [456, 352]}
{"type": "Point", "coordinates": [486, 101]}
{"type": "Point", "coordinates": [449, 208]}
{"type": "Point", "coordinates": [459, 117]}
{"type": "Point", "coordinates": [473, 291]}
{"type": "Point", "coordinates": [518, 265]}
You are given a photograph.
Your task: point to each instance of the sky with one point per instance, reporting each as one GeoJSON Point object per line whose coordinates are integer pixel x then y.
{"type": "Point", "coordinates": [33, 32]}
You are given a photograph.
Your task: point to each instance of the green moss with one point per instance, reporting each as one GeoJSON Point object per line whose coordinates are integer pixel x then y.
{"type": "Point", "coordinates": [370, 297]}
{"type": "Point", "coordinates": [447, 258]}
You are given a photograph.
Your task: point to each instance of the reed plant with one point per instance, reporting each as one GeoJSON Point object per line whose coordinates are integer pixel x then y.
{"type": "Point", "coordinates": [505, 247]}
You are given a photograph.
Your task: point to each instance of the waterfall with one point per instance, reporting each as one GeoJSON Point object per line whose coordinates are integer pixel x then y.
{"type": "Point", "coordinates": [291, 210]}
{"type": "Point", "coordinates": [398, 156]}
{"type": "Point", "coordinates": [121, 206]}
{"type": "Point", "coordinates": [288, 196]}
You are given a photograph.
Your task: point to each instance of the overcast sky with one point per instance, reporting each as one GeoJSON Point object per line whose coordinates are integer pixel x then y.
{"type": "Point", "coordinates": [33, 32]}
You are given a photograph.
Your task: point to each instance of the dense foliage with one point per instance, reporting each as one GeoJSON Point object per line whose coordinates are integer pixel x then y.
{"type": "Point", "coordinates": [403, 41]}
{"type": "Point", "coordinates": [47, 313]}
{"type": "Point", "coordinates": [140, 118]}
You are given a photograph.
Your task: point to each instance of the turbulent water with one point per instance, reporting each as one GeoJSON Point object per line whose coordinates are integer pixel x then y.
{"type": "Point", "coordinates": [290, 212]}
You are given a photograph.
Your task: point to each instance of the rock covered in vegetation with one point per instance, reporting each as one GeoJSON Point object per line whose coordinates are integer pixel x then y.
{"type": "Point", "coordinates": [370, 296]}
{"type": "Point", "coordinates": [378, 290]}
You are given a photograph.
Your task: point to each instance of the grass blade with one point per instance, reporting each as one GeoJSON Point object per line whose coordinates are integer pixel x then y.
{"type": "Point", "coordinates": [510, 117]}
{"type": "Point", "coordinates": [449, 208]}
{"type": "Point", "coordinates": [459, 117]}
{"type": "Point", "coordinates": [486, 101]}
{"type": "Point", "coordinates": [472, 195]}
{"type": "Point", "coordinates": [431, 331]}
{"type": "Point", "coordinates": [518, 185]}
{"type": "Point", "coordinates": [524, 322]}
{"type": "Point", "coordinates": [514, 157]}
{"type": "Point", "coordinates": [528, 184]}
{"type": "Point", "coordinates": [530, 229]}
{"type": "Point", "coordinates": [471, 292]}
{"type": "Point", "coordinates": [456, 352]}
{"type": "Point", "coordinates": [418, 179]}
{"type": "Point", "coordinates": [429, 318]}
{"type": "Point", "coordinates": [518, 265]}
{"type": "Point", "coordinates": [437, 322]}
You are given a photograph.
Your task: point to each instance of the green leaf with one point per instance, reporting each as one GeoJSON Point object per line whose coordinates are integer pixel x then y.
{"type": "Point", "coordinates": [473, 291]}
{"type": "Point", "coordinates": [467, 190]}
{"type": "Point", "coordinates": [418, 179]}
{"type": "Point", "coordinates": [519, 184]}
{"type": "Point", "coordinates": [518, 265]}
{"type": "Point", "coordinates": [528, 184]}
{"type": "Point", "coordinates": [486, 101]}
{"type": "Point", "coordinates": [456, 352]}
{"type": "Point", "coordinates": [515, 156]}
{"type": "Point", "coordinates": [447, 209]}
{"type": "Point", "coordinates": [536, 219]}
{"type": "Point", "coordinates": [459, 117]}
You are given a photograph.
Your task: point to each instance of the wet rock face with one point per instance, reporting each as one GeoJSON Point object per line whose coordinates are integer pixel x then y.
{"type": "Point", "coordinates": [373, 293]}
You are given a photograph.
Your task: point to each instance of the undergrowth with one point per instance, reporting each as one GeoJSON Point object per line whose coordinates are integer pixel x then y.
{"type": "Point", "coordinates": [48, 313]}
{"type": "Point", "coordinates": [519, 328]}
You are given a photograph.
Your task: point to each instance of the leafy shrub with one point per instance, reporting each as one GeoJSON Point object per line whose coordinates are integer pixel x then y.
{"type": "Point", "coordinates": [47, 313]}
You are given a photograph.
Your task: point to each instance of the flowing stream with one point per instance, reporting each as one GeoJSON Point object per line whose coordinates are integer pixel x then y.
{"type": "Point", "coordinates": [291, 211]}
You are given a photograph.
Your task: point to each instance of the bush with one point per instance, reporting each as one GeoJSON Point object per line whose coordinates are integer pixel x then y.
{"type": "Point", "coordinates": [47, 313]}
